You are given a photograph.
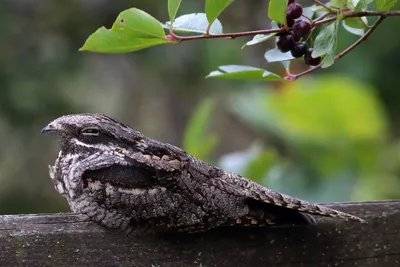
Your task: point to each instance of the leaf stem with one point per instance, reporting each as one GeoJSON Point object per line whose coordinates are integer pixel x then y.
{"type": "Point", "coordinates": [322, 17]}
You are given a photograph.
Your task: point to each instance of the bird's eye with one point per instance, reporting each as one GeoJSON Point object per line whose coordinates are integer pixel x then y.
{"type": "Point", "coordinates": [90, 132]}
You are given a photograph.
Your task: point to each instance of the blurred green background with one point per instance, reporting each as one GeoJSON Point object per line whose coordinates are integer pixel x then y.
{"type": "Point", "coordinates": [331, 136]}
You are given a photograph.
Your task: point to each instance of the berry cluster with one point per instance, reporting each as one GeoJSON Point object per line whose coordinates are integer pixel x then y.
{"type": "Point", "coordinates": [290, 39]}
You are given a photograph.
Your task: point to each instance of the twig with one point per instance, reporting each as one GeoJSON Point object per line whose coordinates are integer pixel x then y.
{"type": "Point", "coordinates": [366, 13]}
{"type": "Point", "coordinates": [292, 77]}
{"type": "Point", "coordinates": [307, 18]}
{"type": "Point", "coordinates": [361, 39]}
{"type": "Point", "coordinates": [225, 35]}
{"type": "Point", "coordinates": [325, 6]}
{"type": "Point", "coordinates": [321, 20]}
{"type": "Point", "coordinates": [322, 16]}
{"type": "Point", "coordinates": [318, 21]}
{"type": "Point", "coordinates": [325, 21]}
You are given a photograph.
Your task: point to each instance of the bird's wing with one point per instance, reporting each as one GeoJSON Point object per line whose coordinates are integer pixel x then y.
{"type": "Point", "coordinates": [122, 176]}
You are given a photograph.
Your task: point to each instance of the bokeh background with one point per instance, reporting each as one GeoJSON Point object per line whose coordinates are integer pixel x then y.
{"type": "Point", "coordinates": [331, 136]}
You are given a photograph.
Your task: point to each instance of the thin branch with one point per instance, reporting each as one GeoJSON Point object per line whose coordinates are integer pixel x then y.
{"type": "Point", "coordinates": [325, 21]}
{"type": "Point", "coordinates": [366, 13]}
{"type": "Point", "coordinates": [322, 16]}
{"type": "Point", "coordinates": [292, 77]}
{"type": "Point", "coordinates": [318, 21]}
{"type": "Point", "coordinates": [325, 6]}
{"type": "Point", "coordinates": [361, 39]}
{"type": "Point", "coordinates": [226, 35]}
{"type": "Point", "coordinates": [349, 14]}
{"type": "Point", "coordinates": [321, 20]}
{"type": "Point", "coordinates": [307, 18]}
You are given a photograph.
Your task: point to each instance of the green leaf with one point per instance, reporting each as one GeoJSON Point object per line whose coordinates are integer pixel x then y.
{"type": "Point", "coordinates": [173, 6]}
{"type": "Point", "coordinates": [133, 30]}
{"type": "Point", "coordinates": [325, 40]}
{"type": "Point", "coordinates": [215, 7]}
{"type": "Point", "coordinates": [355, 31]}
{"type": "Point", "coordinates": [328, 59]}
{"type": "Point", "coordinates": [384, 5]}
{"type": "Point", "coordinates": [259, 38]}
{"type": "Point", "coordinates": [338, 3]}
{"type": "Point", "coordinates": [194, 23]}
{"type": "Point", "coordinates": [362, 5]}
{"type": "Point", "coordinates": [355, 25]}
{"type": "Point", "coordinates": [352, 30]}
{"type": "Point", "coordinates": [275, 55]}
{"type": "Point", "coordinates": [351, 4]}
{"type": "Point", "coordinates": [318, 8]}
{"type": "Point", "coordinates": [358, 23]}
{"type": "Point", "coordinates": [277, 10]}
{"type": "Point", "coordinates": [358, 5]}
{"type": "Point", "coordinates": [243, 73]}
{"type": "Point", "coordinates": [196, 140]}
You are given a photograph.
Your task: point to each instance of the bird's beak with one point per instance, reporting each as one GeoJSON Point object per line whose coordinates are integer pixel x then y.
{"type": "Point", "coordinates": [49, 128]}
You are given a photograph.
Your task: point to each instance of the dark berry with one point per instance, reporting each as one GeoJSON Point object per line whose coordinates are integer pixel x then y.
{"type": "Point", "coordinates": [289, 21]}
{"type": "Point", "coordinates": [295, 37]}
{"type": "Point", "coordinates": [285, 43]}
{"type": "Point", "coordinates": [301, 28]}
{"type": "Point", "coordinates": [294, 11]}
{"type": "Point", "coordinates": [299, 49]}
{"type": "Point", "coordinates": [309, 60]}
{"type": "Point", "coordinates": [290, 2]}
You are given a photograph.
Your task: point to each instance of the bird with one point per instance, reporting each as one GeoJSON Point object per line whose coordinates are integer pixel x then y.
{"type": "Point", "coordinates": [124, 180]}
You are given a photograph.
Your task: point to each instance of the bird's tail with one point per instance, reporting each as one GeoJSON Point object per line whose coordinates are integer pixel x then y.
{"type": "Point", "coordinates": [238, 185]}
{"type": "Point", "coordinates": [272, 197]}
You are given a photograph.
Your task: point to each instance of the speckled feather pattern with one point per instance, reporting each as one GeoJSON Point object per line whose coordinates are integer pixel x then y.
{"type": "Point", "coordinates": [124, 180]}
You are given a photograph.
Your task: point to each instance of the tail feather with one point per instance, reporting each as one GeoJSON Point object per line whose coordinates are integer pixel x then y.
{"type": "Point", "coordinates": [263, 214]}
{"type": "Point", "coordinates": [286, 201]}
{"type": "Point", "coordinates": [240, 186]}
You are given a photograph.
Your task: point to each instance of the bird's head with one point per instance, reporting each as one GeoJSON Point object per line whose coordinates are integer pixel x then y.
{"type": "Point", "coordinates": [88, 131]}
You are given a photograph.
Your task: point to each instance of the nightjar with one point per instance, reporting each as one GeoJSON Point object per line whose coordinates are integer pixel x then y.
{"type": "Point", "coordinates": [124, 180]}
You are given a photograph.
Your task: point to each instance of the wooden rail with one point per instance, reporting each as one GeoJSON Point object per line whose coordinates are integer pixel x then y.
{"type": "Point", "coordinates": [71, 240]}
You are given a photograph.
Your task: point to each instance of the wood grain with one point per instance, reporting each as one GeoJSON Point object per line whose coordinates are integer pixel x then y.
{"type": "Point", "coordinates": [71, 240]}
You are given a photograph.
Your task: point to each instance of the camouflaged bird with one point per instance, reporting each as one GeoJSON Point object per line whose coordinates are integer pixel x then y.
{"type": "Point", "coordinates": [124, 180]}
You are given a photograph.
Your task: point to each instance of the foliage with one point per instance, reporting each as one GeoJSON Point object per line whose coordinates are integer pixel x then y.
{"type": "Point", "coordinates": [134, 30]}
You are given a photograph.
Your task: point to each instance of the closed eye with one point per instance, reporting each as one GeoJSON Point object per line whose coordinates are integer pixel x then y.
{"type": "Point", "coordinates": [90, 132]}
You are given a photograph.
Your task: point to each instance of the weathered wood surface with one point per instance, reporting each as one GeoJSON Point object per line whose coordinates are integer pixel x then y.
{"type": "Point", "coordinates": [71, 240]}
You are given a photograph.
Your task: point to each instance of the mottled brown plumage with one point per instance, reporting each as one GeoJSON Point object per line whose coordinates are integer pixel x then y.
{"type": "Point", "coordinates": [124, 180]}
